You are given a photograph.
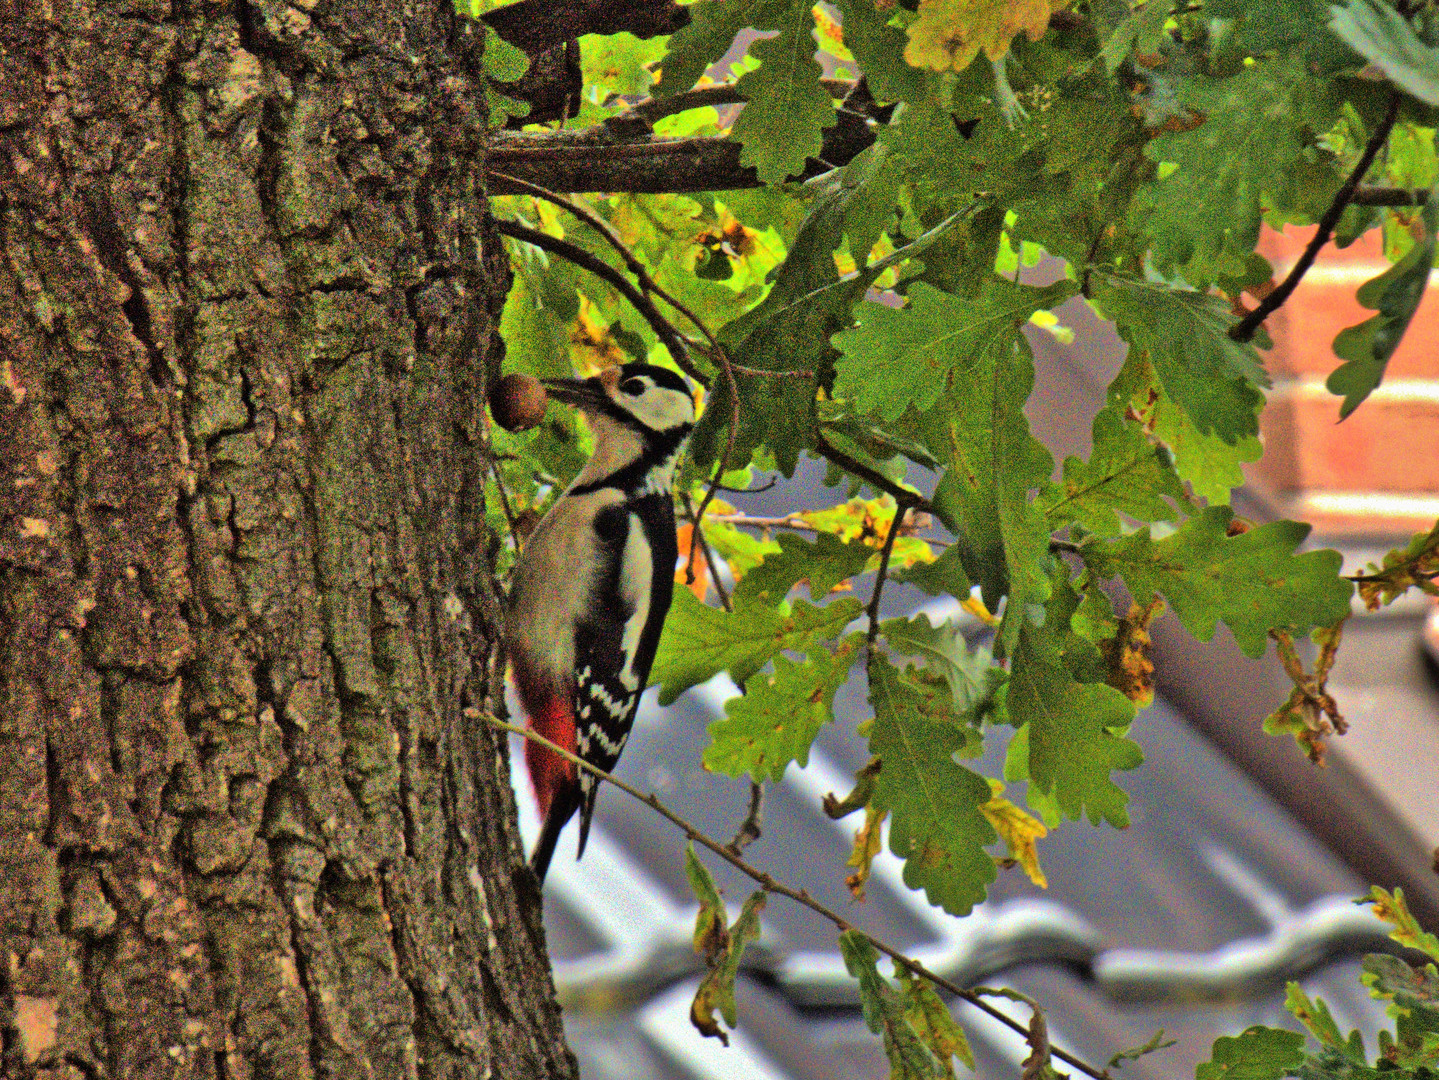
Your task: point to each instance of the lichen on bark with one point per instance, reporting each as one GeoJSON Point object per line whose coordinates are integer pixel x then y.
{"type": "Point", "coordinates": [247, 308]}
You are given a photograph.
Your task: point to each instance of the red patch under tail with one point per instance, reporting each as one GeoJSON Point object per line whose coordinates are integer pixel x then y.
{"type": "Point", "coordinates": [551, 774]}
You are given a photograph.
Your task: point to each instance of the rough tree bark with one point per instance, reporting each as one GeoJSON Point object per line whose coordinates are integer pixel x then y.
{"type": "Point", "coordinates": [246, 309]}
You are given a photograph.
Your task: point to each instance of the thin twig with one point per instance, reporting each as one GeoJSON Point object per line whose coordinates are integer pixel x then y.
{"type": "Point", "coordinates": [771, 482]}
{"type": "Point", "coordinates": [771, 884]}
{"type": "Point", "coordinates": [677, 345]}
{"type": "Point", "coordinates": [883, 572]}
{"type": "Point", "coordinates": [1244, 329]}
{"type": "Point", "coordinates": [704, 545]}
{"type": "Point", "coordinates": [653, 109]}
{"type": "Point", "coordinates": [750, 827]}
{"type": "Point", "coordinates": [493, 459]}
{"type": "Point", "coordinates": [722, 466]}
{"type": "Point", "coordinates": [788, 522]}
{"type": "Point", "coordinates": [761, 373]}
{"type": "Point", "coordinates": [504, 500]}
{"type": "Point", "coordinates": [903, 495]}
{"type": "Point", "coordinates": [1374, 195]}
{"type": "Point", "coordinates": [632, 262]}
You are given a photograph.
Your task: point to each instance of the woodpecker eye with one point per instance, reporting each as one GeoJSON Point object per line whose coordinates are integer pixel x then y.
{"type": "Point", "coordinates": [633, 387]}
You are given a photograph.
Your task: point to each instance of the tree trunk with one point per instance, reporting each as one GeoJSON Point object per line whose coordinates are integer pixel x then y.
{"type": "Point", "coordinates": [247, 302]}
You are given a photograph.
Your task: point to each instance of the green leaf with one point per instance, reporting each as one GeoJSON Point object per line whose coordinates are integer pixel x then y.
{"type": "Point", "coordinates": [1384, 37]}
{"type": "Point", "coordinates": [504, 62]}
{"type": "Point", "coordinates": [787, 107]}
{"type": "Point", "coordinates": [1256, 127]}
{"type": "Point", "coordinates": [1125, 474]}
{"type": "Point", "coordinates": [716, 991]}
{"type": "Point", "coordinates": [619, 63]}
{"type": "Point", "coordinates": [1396, 295]}
{"type": "Point", "coordinates": [707, 38]}
{"type": "Point", "coordinates": [1260, 1053]}
{"type": "Point", "coordinates": [699, 642]}
{"type": "Point", "coordinates": [884, 1010]}
{"type": "Point", "coordinates": [1185, 335]}
{"type": "Point", "coordinates": [936, 825]}
{"type": "Point", "coordinates": [824, 563]}
{"type": "Point", "coordinates": [1141, 32]}
{"type": "Point", "coordinates": [711, 936]}
{"type": "Point", "coordinates": [776, 719]}
{"type": "Point", "coordinates": [1395, 911]}
{"type": "Point", "coordinates": [933, 1023]}
{"type": "Point", "coordinates": [878, 48]}
{"type": "Point", "coordinates": [943, 577]}
{"type": "Point", "coordinates": [1314, 1015]}
{"type": "Point", "coordinates": [1284, 26]}
{"type": "Point", "coordinates": [972, 675]}
{"type": "Point", "coordinates": [536, 337]}
{"type": "Point", "coordinates": [1211, 466]}
{"type": "Point", "coordinates": [1253, 581]}
{"type": "Point", "coordinates": [992, 465]}
{"type": "Point", "coordinates": [1074, 730]}
{"type": "Point", "coordinates": [908, 357]}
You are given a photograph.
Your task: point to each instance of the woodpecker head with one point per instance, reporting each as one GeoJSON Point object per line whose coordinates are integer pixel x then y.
{"type": "Point", "coordinates": [644, 397]}
{"type": "Point", "coordinates": [640, 414]}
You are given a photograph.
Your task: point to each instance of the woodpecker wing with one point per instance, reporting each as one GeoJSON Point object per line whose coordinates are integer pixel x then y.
{"type": "Point", "coordinates": [615, 644]}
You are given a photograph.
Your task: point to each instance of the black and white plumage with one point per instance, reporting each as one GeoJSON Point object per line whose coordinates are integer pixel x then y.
{"type": "Point", "coordinates": [593, 585]}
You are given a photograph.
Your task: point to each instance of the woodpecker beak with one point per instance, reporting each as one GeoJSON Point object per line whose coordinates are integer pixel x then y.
{"type": "Point", "coordinates": [588, 394]}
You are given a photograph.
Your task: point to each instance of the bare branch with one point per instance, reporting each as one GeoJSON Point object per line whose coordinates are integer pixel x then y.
{"type": "Point", "coordinates": [537, 26]}
{"type": "Point", "coordinates": [883, 572]}
{"type": "Point", "coordinates": [771, 884]}
{"type": "Point", "coordinates": [632, 262]}
{"type": "Point", "coordinates": [1368, 195]}
{"type": "Point", "coordinates": [594, 160]}
{"type": "Point", "coordinates": [656, 108]}
{"type": "Point", "coordinates": [1244, 329]}
{"type": "Point", "coordinates": [876, 480]}
{"type": "Point", "coordinates": [698, 536]}
{"type": "Point", "coordinates": [677, 345]}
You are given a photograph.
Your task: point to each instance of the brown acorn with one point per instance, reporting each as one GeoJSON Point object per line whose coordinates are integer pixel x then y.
{"type": "Point", "coordinates": [518, 402]}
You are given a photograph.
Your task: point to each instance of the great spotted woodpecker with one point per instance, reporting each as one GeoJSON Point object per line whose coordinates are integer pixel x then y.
{"type": "Point", "coordinates": [593, 584]}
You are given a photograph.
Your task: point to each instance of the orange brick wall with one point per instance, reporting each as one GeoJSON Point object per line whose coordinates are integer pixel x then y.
{"type": "Point", "coordinates": [1376, 473]}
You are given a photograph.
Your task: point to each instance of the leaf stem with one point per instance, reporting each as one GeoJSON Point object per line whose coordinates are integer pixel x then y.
{"type": "Point", "coordinates": [750, 828]}
{"type": "Point", "coordinates": [771, 884]}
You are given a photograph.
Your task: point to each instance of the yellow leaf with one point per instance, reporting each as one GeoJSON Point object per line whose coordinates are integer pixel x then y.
{"type": "Point", "coordinates": [1131, 670]}
{"type": "Point", "coordinates": [1018, 830]}
{"type": "Point", "coordinates": [933, 1022]}
{"type": "Point", "coordinates": [866, 847]}
{"type": "Point", "coordinates": [975, 606]}
{"type": "Point", "coordinates": [595, 348]}
{"type": "Point", "coordinates": [1407, 931]}
{"type": "Point", "coordinates": [829, 35]}
{"type": "Point", "coordinates": [949, 34]}
{"type": "Point", "coordinates": [684, 537]}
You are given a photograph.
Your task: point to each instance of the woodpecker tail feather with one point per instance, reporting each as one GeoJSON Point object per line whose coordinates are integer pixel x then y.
{"type": "Point", "coordinates": [555, 780]}
{"type": "Point", "coordinates": [588, 791]}
{"type": "Point", "coordinates": [561, 810]}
